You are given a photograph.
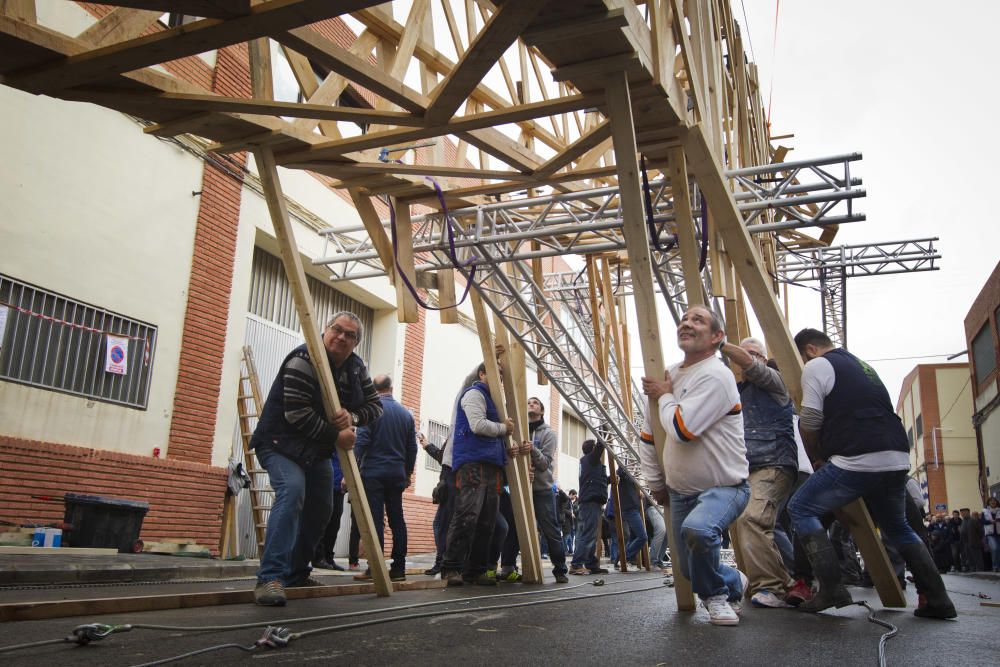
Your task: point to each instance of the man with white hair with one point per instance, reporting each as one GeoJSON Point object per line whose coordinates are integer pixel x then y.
{"type": "Point", "coordinates": [773, 457]}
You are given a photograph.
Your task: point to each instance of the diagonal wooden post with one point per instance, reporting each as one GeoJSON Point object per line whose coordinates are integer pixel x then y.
{"type": "Point", "coordinates": [314, 343]}
{"type": "Point", "coordinates": [637, 244]}
{"type": "Point", "coordinates": [520, 497]}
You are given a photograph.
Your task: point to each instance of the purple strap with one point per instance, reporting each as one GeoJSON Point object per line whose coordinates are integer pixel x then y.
{"type": "Point", "coordinates": [452, 253]}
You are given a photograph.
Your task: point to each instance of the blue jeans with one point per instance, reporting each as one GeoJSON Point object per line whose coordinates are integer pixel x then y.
{"type": "Point", "coordinates": [585, 551]}
{"type": "Point", "coordinates": [303, 502]}
{"type": "Point", "coordinates": [697, 522]}
{"type": "Point", "coordinates": [545, 515]}
{"type": "Point", "coordinates": [830, 488]}
{"type": "Point", "coordinates": [568, 537]}
{"type": "Point", "coordinates": [387, 493]}
{"type": "Point", "coordinates": [656, 542]}
{"type": "Point", "coordinates": [637, 533]}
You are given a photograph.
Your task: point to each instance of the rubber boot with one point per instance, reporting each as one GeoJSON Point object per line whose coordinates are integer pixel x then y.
{"type": "Point", "coordinates": [929, 584]}
{"type": "Point", "coordinates": [826, 568]}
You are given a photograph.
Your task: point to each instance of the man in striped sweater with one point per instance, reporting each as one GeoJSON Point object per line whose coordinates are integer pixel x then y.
{"type": "Point", "coordinates": [703, 472]}
{"type": "Point", "coordinates": [294, 441]}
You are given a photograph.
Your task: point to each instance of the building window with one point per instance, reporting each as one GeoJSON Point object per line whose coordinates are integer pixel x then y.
{"type": "Point", "coordinates": [984, 358]}
{"type": "Point", "coordinates": [436, 435]}
{"type": "Point", "coordinates": [573, 432]}
{"type": "Point", "coordinates": [51, 341]}
{"type": "Point", "coordinates": [920, 425]}
{"type": "Point", "coordinates": [909, 436]}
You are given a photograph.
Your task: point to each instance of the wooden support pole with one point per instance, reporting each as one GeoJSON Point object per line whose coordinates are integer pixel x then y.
{"type": "Point", "coordinates": [446, 296]}
{"type": "Point", "coordinates": [855, 518]}
{"type": "Point", "coordinates": [644, 553]}
{"type": "Point", "coordinates": [406, 304]}
{"type": "Point", "coordinates": [595, 317]}
{"type": "Point", "coordinates": [637, 244]}
{"type": "Point", "coordinates": [520, 498]}
{"type": "Point", "coordinates": [268, 170]}
{"type": "Point", "coordinates": [686, 241]}
{"type": "Point", "coordinates": [610, 307]}
{"type": "Point", "coordinates": [515, 392]}
{"type": "Point", "coordinates": [536, 274]}
{"type": "Point", "coordinates": [376, 232]}
{"type": "Point", "coordinates": [616, 500]}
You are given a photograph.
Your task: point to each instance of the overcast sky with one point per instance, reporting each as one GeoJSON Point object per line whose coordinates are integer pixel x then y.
{"type": "Point", "coordinates": [912, 86]}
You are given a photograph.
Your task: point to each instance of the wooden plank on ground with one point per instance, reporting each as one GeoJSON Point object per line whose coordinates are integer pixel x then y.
{"type": "Point", "coordinates": [33, 611]}
{"type": "Point", "coordinates": [637, 244]}
{"type": "Point", "coordinates": [311, 331]}
{"type": "Point", "coordinates": [71, 551]}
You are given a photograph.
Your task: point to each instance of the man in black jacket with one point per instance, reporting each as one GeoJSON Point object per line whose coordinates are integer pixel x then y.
{"type": "Point", "coordinates": [294, 441]}
{"type": "Point", "coordinates": [593, 493]}
{"type": "Point", "coordinates": [848, 421]}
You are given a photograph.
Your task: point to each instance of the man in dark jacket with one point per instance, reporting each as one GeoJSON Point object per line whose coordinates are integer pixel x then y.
{"type": "Point", "coordinates": [594, 482]}
{"type": "Point", "coordinates": [387, 451]}
{"type": "Point", "coordinates": [773, 457]}
{"type": "Point", "coordinates": [628, 496]}
{"type": "Point", "coordinates": [294, 441]}
{"type": "Point", "coordinates": [848, 420]}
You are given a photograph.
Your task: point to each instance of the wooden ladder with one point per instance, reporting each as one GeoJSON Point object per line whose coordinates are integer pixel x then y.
{"type": "Point", "coordinates": [249, 403]}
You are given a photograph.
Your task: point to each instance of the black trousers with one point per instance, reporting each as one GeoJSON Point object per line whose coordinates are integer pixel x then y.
{"type": "Point", "coordinates": [473, 519]}
{"type": "Point", "coordinates": [324, 550]}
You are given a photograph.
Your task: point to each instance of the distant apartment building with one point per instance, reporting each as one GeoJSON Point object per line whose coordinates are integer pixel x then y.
{"type": "Point", "coordinates": [935, 404]}
{"type": "Point", "coordinates": [982, 331]}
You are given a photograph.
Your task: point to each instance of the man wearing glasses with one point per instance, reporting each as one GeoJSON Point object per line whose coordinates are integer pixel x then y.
{"type": "Point", "coordinates": [294, 442]}
{"type": "Point", "coordinates": [773, 457]}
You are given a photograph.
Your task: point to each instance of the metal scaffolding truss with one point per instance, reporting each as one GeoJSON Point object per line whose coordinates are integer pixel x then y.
{"type": "Point", "coordinates": [866, 259]}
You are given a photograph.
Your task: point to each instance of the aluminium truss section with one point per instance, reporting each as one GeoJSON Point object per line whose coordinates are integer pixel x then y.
{"type": "Point", "coordinates": [866, 259]}
{"type": "Point", "coordinates": [529, 317]}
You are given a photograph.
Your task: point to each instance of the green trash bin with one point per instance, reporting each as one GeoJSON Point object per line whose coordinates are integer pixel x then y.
{"type": "Point", "coordinates": [107, 523]}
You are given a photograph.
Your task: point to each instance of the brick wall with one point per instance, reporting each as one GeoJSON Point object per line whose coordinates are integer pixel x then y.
{"type": "Point", "coordinates": [192, 428]}
{"type": "Point", "coordinates": [185, 499]}
{"type": "Point", "coordinates": [419, 514]}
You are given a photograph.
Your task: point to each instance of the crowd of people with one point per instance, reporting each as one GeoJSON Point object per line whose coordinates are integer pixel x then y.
{"type": "Point", "coordinates": [734, 460]}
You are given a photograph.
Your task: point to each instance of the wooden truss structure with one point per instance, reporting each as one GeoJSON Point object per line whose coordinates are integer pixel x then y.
{"type": "Point", "coordinates": [406, 113]}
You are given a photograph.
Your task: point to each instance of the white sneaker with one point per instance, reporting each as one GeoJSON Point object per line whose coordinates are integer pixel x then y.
{"type": "Point", "coordinates": [719, 611]}
{"type": "Point", "coordinates": [765, 598]}
{"type": "Point", "coordinates": [744, 582]}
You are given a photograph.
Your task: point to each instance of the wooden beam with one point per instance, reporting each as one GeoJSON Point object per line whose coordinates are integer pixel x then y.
{"type": "Point", "coordinates": [520, 498]}
{"type": "Point", "coordinates": [292, 262]}
{"type": "Point", "coordinates": [572, 152]}
{"type": "Point", "coordinates": [171, 44]}
{"type": "Point", "coordinates": [595, 317]}
{"type": "Point", "coordinates": [496, 36]}
{"type": "Point", "coordinates": [637, 245]}
{"type": "Point", "coordinates": [588, 69]}
{"type": "Point", "coordinates": [119, 25]}
{"type": "Point", "coordinates": [406, 304]}
{"type": "Point", "coordinates": [376, 232]}
{"type": "Point", "coordinates": [745, 257]}
{"type": "Point", "coordinates": [216, 9]}
{"type": "Point", "coordinates": [199, 103]}
{"type": "Point", "coordinates": [855, 518]}
{"type": "Point", "coordinates": [21, 10]}
{"type": "Point", "coordinates": [340, 60]}
{"type": "Point", "coordinates": [446, 296]}
{"type": "Point", "coordinates": [684, 222]}
{"type": "Point", "coordinates": [617, 502]}
{"type": "Point", "coordinates": [35, 611]}
{"type": "Point", "coordinates": [348, 169]}
{"type": "Point", "coordinates": [587, 27]}
{"type": "Point", "coordinates": [457, 125]}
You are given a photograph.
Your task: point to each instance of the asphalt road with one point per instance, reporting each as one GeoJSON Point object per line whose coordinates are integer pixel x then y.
{"type": "Point", "coordinates": [638, 625]}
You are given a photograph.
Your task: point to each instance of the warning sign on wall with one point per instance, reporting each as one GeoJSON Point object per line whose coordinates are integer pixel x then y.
{"type": "Point", "coordinates": [117, 356]}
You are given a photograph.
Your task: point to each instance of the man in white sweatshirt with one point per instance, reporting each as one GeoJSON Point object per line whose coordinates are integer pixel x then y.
{"type": "Point", "coordinates": [704, 470]}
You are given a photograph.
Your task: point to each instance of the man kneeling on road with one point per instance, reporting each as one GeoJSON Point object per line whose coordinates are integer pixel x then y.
{"type": "Point", "coordinates": [703, 473]}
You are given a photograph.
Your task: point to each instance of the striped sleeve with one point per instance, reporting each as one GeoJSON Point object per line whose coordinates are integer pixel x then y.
{"type": "Point", "coordinates": [652, 467]}
{"type": "Point", "coordinates": [301, 386]}
{"type": "Point", "coordinates": [706, 401]}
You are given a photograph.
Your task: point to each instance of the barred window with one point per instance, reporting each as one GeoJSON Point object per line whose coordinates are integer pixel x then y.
{"type": "Point", "coordinates": [436, 434]}
{"type": "Point", "coordinates": [52, 341]}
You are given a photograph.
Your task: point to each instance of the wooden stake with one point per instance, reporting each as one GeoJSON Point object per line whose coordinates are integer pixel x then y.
{"type": "Point", "coordinates": [637, 244]}
{"type": "Point", "coordinates": [314, 343]}
{"type": "Point", "coordinates": [406, 304]}
{"type": "Point", "coordinates": [617, 502]}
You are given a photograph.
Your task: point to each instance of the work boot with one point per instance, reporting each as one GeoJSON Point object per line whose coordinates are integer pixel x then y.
{"type": "Point", "coordinates": [826, 567]}
{"type": "Point", "coordinates": [937, 604]}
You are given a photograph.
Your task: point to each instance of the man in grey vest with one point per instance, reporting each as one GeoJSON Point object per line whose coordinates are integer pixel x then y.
{"type": "Point", "coordinates": [859, 449]}
{"type": "Point", "coordinates": [773, 457]}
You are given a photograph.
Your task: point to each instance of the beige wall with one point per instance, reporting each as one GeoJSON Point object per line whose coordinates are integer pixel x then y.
{"type": "Point", "coordinates": [957, 439]}
{"type": "Point", "coordinates": [991, 447]}
{"type": "Point", "coordinates": [104, 216]}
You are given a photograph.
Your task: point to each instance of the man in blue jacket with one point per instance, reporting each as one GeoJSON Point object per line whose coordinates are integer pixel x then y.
{"type": "Point", "coordinates": [593, 492]}
{"type": "Point", "coordinates": [387, 451]}
{"type": "Point", "coordinates": [478, 457]}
